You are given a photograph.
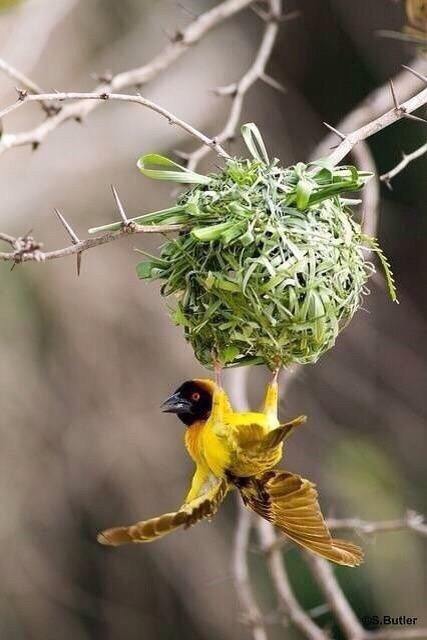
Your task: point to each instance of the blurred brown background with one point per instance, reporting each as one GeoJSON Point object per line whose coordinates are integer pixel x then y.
{"type": "Point", "coordinates": [85, 363]}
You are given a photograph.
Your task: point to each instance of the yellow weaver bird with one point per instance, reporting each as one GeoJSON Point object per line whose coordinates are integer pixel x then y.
{"type": "Point", "coordinates": [238, 450]}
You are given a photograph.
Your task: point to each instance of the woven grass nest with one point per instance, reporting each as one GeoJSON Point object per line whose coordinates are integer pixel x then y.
{"type": "Point", "coordinates": [269, 265]}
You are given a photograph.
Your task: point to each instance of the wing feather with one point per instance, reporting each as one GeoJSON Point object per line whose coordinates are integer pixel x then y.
{"type": "Point", "coordinates": [276, 436]}
{"type": "Point", "coordinates": [203, 506]}
{"type": "Point", "coordinates": [290, 502]}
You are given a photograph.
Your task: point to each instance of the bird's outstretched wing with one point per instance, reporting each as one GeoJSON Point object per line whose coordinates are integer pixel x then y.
{"type": "Point", "coordinates": [203, 506]}
{"type": "Point", "coordinates": [276, 436]}
{"type": "Point", "coordinates": [290, 502]}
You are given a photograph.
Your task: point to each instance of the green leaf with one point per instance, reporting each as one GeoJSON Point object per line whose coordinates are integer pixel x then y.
{"type": "Point", "coordinates": [388, 273]}
{"type": "Point", "coordinates": [228, 354]}
{"type": "Point", "coordinates": [184, 175]}
{"type": "Point", "coordinates": [177, 214]}
{"type": "Point", "coordinates": [211, 233]}
{"type": "Point", "coordinates": [254, 142]}
{"type": "Point", "coordinates": [304, 190]}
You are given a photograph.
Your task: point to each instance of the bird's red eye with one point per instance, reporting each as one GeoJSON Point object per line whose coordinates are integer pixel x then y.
{"type": "Point", "coordinates": [195, 396]}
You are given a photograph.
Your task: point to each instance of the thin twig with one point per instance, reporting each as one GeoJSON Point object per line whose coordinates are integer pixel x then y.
{"type": "Point", "coordinates": [251, 613]}
{"type": "Point", "coordinates": [412, 521]}
{"type": "Point", "coordinates": [7, 238]}
{"type": "Point", "coordinates": [29, 85]}
{"type": "Point", "coordinates": [118, 97]}
{"type": "Point", "coordinates": [288, 603]}
{"type": "Point", "coordinates": [407, 158]}
{"type": "Point", "coordinates": [376, 103]}
{"type": "Point", "coordinates": [139, 76]}
{"type": "Point", "coordinates": [239, 89]}
{"type": "Point", "coordinates": [26, 252]}
{"type": "Point", "coordinates": [338, 603]}
{"type": "Point", "coordinates": [403, 110]}
{"type": "Point", "coordinates": [20, 77]}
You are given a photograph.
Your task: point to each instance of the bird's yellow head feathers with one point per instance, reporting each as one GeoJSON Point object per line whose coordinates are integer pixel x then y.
{"type": "Point", "coordinates": [192, 401]}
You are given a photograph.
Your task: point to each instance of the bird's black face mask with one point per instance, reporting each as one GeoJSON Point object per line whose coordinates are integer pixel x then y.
{"type": "Point", "coordinates": [191, 402]}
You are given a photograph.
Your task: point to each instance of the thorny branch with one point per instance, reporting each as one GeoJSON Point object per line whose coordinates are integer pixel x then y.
{"type": "Point", "coordinates": [105, 96]}
{"type": "Point", "coordinates": [25, 248]}
{"type": "Point", "coordinates": [25, 251]}
{"type": "Point", "coordinates": [238, 90]}
{"type": "Point", "coordinates": [138, 77]}
{"type": "Point", "coordinates": [375, 105]}
{"type": "Point", "coordinates": [399, 111]}
{"type": "Point", "coordinates": [407, 158]}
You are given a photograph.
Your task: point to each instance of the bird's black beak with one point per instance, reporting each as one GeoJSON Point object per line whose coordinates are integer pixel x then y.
{"type": "Point", "coordinates": [176, 404]}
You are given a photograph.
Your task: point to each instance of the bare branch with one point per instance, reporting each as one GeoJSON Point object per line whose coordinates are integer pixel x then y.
{"type": "Point", "coordinates": [364, 159]}
{"type": "Point", "coordinates": [7, 238]}
{"type": "Point", "coordinates": [287, 600]}
{"type": "Point", "coordinates": [118, 97]}
{"type": "Point", "coordinates": [338, 603]}
{"type": "Point", "coordinates": [376, 103]}
{"type": "Point", "coordinates": [135, 77]}
{"type": "Point", "coordinates": [412, 521]}
{"type": "Point", "coordinates": [252, 614]}
{"type": "Point", "coordinates": [400, 111]}
{"type": "Point", "coordinates": [407, 158]}
{"type": "Point", "coordinates": [239, 90]}
{"type": "Point", "coordinates": [22, 79]}
{"type": "Point", "coordinates": [27, 250]}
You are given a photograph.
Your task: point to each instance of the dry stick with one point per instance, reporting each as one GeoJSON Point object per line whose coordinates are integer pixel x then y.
{"type": "Point", "coordinates": [338, 603]}
{"type": "Point", "coordinates": [135, 77]}
{"type": "Point", "coordinates": [287, 600]}
{"type": "Point", "coordinates": [413, 522]}
{"type": "Point", "coordinates": [376, 104]}
{"type": "Point", "coordinates": [119, 97]}
{"type": "Point", "coordinates": [29, 85]}
{"type": "Point", "coordinates": [403, 110]}
{"type": "Point", "coordinates": [407, 158]}
{"type": "Point", "coordinates": [22, 254]}
{"type": "Point", "coordinates": [250, 610]}
{"type": "Point", "coordinates": [251, 613]}
{"type": "Point", "coordinates": [239, 89]}
{"type": "Point", "coordinates": [21, 78]}
{"type": "Point", "coordinates": [7, 238]}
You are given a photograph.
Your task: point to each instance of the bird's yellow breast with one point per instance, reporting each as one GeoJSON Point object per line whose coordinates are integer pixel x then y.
{"type": "Point", "coordinates": [207, 449]}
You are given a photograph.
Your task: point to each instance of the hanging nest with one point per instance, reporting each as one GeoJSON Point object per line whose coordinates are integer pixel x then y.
{"type": "Point", "coordinates": [269, 265]}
